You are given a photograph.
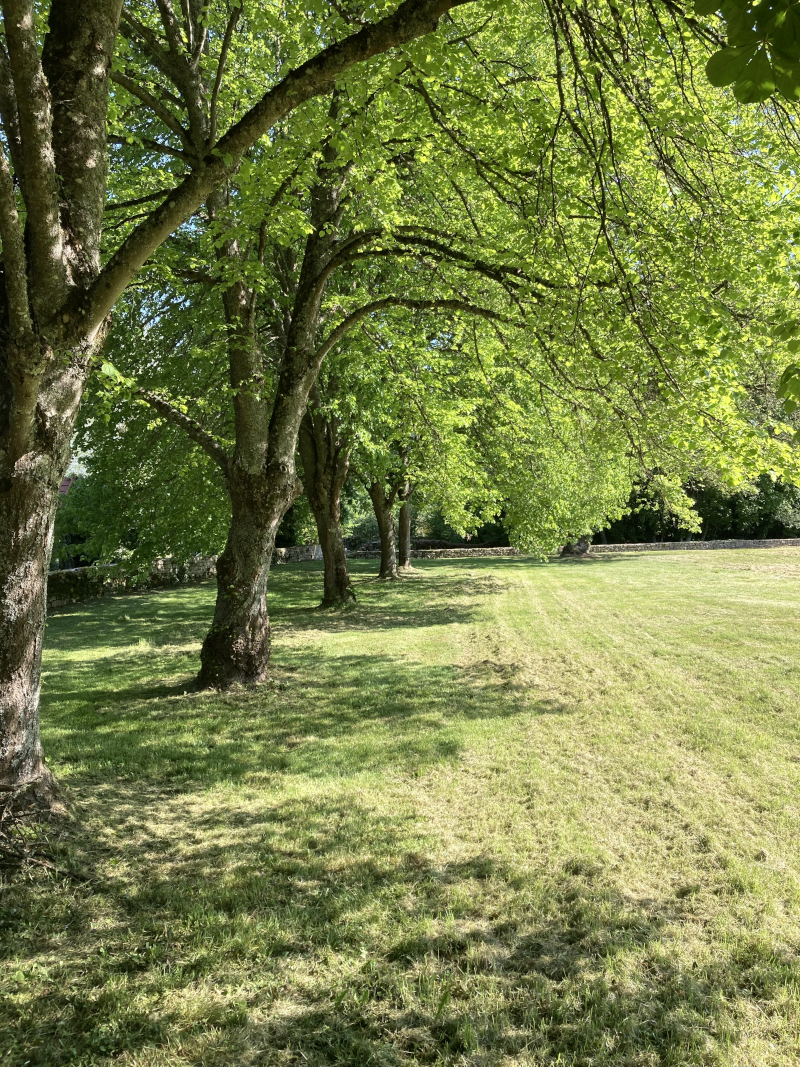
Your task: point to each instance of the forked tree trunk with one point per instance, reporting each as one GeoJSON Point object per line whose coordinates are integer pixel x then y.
{"type": "Point", "coordinates": [325, 464]}
{"type": "Point", "coordinates": [405, 530]}
{"type": "Point", "coordinates": [261, 477]}
{"type": "Point", "coordinates": [382, 505]}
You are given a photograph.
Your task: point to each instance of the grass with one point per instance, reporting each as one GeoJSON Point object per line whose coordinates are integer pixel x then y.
{"type": "Point", "coordinates": [498, 813]}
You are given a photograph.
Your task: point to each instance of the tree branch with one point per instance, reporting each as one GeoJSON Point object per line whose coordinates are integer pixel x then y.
{"type": "Point", "coordinates": [190, 426]}
{"type": "Point", "coordinates": [15, 268]}
{"type": "Point", "coordinates": [161, 58]}
{"type": "Point", "coordinates": [36, 128]}
{"type": "Point", "coordinates": [412, 19]}
{"type": "Point", "coordinates": [172, 29]}
{"type": "Point", "coordinates": [197, 277]}
{"type": "Point", "coordinates": [10, 116]}
{"type": "Point", "coordinates": [155, 105]}
{"type": "Point", "coordinates": [120, 204]}
{"type": "Point", "coordinates": [397, 301]}
{"type": "Point", "coordinates": [223, 56]}
{"type": "Point", "coordinates": [153, 146]}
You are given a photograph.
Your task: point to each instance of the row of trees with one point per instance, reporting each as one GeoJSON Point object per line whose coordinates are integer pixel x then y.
{"type": "Point", "coordinates": [519, 262]}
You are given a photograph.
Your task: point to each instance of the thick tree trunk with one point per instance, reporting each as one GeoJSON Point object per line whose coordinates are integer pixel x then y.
{"type": "Point", "coordinates": [382, 505]}
{"type": "Point", "coordinates": [405, 530]}
{"type": "Point", "coordinates": [237, 647]}
{"type": "Point", "coordinates": [325, 464]}
{"type": "Point", "coordinates": [28, 498]}
{"type": "Point", "coordinates": [337, 588]}
{"type": "Point", "coordinates": [27, 511]}
{"type": "Point", "coordinates": [53, 116]}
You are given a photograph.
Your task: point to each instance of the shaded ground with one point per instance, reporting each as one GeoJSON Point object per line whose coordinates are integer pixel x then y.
{"type": "Point", "coordinates": [497, 813]}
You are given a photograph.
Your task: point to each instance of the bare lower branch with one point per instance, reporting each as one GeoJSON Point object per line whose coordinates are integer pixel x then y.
{"type": "Point", "coordinates": [161, 58]}
{"type": "Point", "coordinates": [190, 427]}
{"type": "Point", "coordinates": [120, 204]}
{"type": "Point", "coordinates": [155, 105]}
{"type": "Point", "coordinates": [152, 146]}
{"type": "Point", "coordinates": [223, 58]}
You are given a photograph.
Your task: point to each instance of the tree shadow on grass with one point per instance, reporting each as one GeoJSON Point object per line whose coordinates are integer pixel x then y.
{"type": "Point", "coordinates": [172, 617]}
{"type": "Point", "coordinates": [179, 616]}
{"type": "Point", "coordinates": [133, 710]}
{"type": "Point", "coordinates": [318, 715]}
{"type": "Point", "coordinates": [418, 601]}
{"type": "Point", "coordinates": [230, 926]}
{"type": "Point", "coordinates": [321, 932]}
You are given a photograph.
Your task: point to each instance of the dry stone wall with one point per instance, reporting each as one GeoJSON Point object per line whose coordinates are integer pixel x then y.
{"type": "Point", "coordinates": [678, 546]}
{"type": "Point", "coordinates": [442, 553]}
{"type": "Point", "coordinates": [84, 583]}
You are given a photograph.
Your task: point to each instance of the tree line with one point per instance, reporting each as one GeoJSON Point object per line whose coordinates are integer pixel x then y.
{"type": "Point", "coordinates": [502, 255]}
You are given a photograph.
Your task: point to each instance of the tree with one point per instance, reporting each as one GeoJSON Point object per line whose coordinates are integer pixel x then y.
{"type": "Point", "coordinates": [630, 262]}
{"type": "Point", "coordinates": [595, 184]}
{"type": "Point", "coordinates": [58, 293]}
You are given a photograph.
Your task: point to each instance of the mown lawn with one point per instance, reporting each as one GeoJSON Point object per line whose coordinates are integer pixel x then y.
{"type": "Point", "coordinates": [500, 812]}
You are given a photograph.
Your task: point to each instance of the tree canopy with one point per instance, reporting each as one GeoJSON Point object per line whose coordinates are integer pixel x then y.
{"type": "Point", "coordinates": [519, 257]}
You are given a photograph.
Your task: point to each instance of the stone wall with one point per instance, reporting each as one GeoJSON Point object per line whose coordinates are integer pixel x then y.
{"type": "Point", "coordinates": [677, 546]}
{"type": "Point", "coordinates": [442, 553]}
{"type": "Point", "coordinates": [84, 583]}
{"type": "Point", "coordinates": [297, 554]}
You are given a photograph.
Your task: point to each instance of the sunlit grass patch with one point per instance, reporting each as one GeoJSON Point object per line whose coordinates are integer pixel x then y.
{"type": "Point", "coordinates": [501, 813]}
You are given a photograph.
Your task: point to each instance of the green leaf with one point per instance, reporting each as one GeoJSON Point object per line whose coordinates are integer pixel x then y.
{"type": "Point", "coordinates": [757, 81]}
{"type": "Point", "coordinates": [706, 7]}
{"type": "Point", "coordinates": [787, 78]}
{"type": "Point", "coordinates": [740, 27]}
{"type": "Point", "coordinates": [786, 33]}
{"type": "Point", "coordinates": [786, 330]}
{"type": "Point", "coordinates": [725, 66]}
{"type": "Point", "coordinates": [108, 370]}
{"type": "Point", "coordinates": [789, 383]}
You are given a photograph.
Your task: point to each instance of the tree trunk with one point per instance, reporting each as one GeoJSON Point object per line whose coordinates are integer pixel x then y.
{"type": "Point", "coordinates": [27, 512]}
{"type": "Point", "coordinates": [237, 647]}
{"type": "Point", "coordinates": [382, 505]}
{"type": "Point", "coordinates": [260, 475]}
{"type": "Point", "coordinates": [54, 122]}
{"type": "Point", "coordinates": [325, 464]}
{"type": "Point", "coordinates": [29, 485]}
{"type": "Point", "coordinates": [405, 529]}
